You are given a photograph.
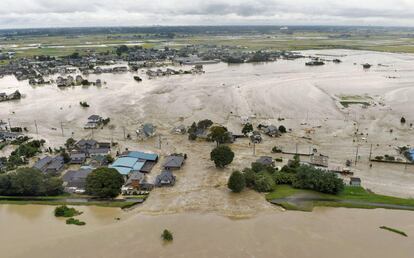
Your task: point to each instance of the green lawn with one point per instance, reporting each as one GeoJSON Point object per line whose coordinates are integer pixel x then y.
{"type": "Point", "coordinates": [61, 200]}
{"type": "Point", "coordinates": [351, 197]}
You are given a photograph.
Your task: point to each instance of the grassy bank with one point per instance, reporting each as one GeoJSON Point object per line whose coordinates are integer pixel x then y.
{"type": "Point", "coordinates": [352, 197]}
{"type": "Point", "coordinates": [68, 200]}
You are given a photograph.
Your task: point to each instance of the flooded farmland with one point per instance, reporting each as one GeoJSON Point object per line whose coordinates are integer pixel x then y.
{"type": "Point", "coordinates": [199, 209]}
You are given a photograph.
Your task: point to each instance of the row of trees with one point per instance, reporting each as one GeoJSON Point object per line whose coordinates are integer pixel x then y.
{"type": "Point", "coordinates": [29, 182]}
{"type": "Point", "coordinates": [264, 178]}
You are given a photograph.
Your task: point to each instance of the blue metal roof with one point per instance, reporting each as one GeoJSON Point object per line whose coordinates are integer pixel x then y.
{"type": "Point", "coordinates": [125, 162]}
{"type": "Point", "coordinates": [138, 166]}
{"type": "Point", "coordinates": [142, 155]}
{"type": "Point", "coordinates": [122, 170]}
{"type": "Point", "coordinates": [125, 165]}
{"type": "Point", "coordinates": [412, 153]}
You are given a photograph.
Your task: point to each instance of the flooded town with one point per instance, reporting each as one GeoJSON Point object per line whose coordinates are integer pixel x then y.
{"type": "Point", "coordinates": [216, 141]}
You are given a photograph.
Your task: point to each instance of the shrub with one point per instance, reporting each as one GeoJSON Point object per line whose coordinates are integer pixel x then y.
{"type": "Point", "coordinates": [276, 149]}
{"type": "Point", "coordinates": [167, 235]}
{"type": "Point", "coordinates": [282, 178]}
{"type": "Point", "coordinates": [279, 160]}
{"type": "Point", "coordinates": [282, 129]}
{"type": "Point", "coordinates": [402, 120]}
{"type": "Point", "coordinates": [247, 128]}
{"type": "Point", "coordinates": [72, 221]}
{"type": "Point", "coordinates": [236, 182]}
{"type": "Point", "coordinates": [64, 211]}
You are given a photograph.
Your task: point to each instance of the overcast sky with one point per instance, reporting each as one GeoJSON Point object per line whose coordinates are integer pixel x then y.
{"type": "Point", "coordinates": [65, 13]}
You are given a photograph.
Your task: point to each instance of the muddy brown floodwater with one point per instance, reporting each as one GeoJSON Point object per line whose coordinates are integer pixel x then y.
{"type": "Point", "coordinates": [32, 231]}
{"type": "Point", "coordinates": [206, 219]}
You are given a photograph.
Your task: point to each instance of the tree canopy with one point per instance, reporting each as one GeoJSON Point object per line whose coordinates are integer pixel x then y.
{"type": "Point", "coordinates": [222, 156]}
{"type": "Point", "coordinates": [236, 182]}
{"type": "Point", "coordinates": [104, 183]}
{"type": "Point", "coordinates": [219, 134]}
{"type": "Point", "coordinates": [247, 128]}
{"type": "Point", "coordinates": [29, 182]}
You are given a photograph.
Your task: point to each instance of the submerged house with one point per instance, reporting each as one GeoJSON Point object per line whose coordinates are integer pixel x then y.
{"type": "Point", "coordinates": [319, 160]}
{"type": "Point", "coordinates": [146, 130]}
{"type": "Point", "coordinates": [266, 161]}
{"type": "Point", "coordinates": [93, 122]}
{"type": "Point", "coordinates": [174, 162]}
{"type": "Point", "coordinates": [166, 178]}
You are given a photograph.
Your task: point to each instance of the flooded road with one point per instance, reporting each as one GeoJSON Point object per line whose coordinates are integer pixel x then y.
{"type": "Point", "coordinates": [33, 231]}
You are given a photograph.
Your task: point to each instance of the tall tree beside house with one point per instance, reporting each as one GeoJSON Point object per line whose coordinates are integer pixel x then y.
{"type": "Point", "coordinates": [104, 183]}
{"type": "Point", "coordinates": [222, 156]}
{"type": "Point", "coordinates": [70, 143]}
{"type": "Point", "coordinates": [219, 134]}
{"type": "Point", "coordinates": [247, 128]}
{"type": "Point", "coordinates": [236, 182]}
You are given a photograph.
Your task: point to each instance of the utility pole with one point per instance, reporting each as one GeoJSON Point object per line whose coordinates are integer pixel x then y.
{"type": "Point", "coordinates": [356, 155]}
{"type": "Point", "coordinates": [37, 130]}
{"type": "Point", "coordinates": [124, 133]}
{"type": "Point", "coordinates": [159, 141]}
{"type": "Point", "coordinates": [9, 124]}
{"type": "Point", "coordinates": [61, 127]}
{"type": "Point", "coordinates": [296, 148]}
{"type": "Point", "coordinates": [370, 152]}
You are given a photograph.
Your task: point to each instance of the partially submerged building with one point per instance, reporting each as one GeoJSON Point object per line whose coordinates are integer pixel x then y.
{"type": "Point", "coordinates": [166, 178]}
{"type": "Point", "coordinates": [134, 161]}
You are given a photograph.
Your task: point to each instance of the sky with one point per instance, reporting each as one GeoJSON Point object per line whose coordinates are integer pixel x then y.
{"type": "Point", "coordinates": [83, 13]}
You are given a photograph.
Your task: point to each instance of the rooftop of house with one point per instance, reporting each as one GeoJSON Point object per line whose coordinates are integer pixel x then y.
{"type": "Point", "coordinates": [126, 165]}
{"type": "Point", "coordinates": [174, 161]}
{"type": "Point", "coordinates": [265, 160]}
{"type": "Point", "coordinates": [142, 155]}
{"type": "Point", "coordinates": [76, 174]}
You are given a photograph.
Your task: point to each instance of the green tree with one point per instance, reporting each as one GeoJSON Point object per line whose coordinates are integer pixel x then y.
{"type": "Point", "coordinates": [204, 124]}
{"type": "Point", "coordinates": [263, 182]}
{"type": "Point", "coordinates": [70, 143]}
{"type": "Point", "coordinates": [222, 156]}
{"type": "Point", "coordinates": [236, 182]}
{"type": "Point", "coordinates": [5, 184]}
{"type": "Point", "coordinates": [104, 183]}
{"type": "Point", "coordinates": [247, 128]}
{"type": "Point", "coordinates": [315, 179]}
{"type": "Point", "coordinates": [53, 186]}
{"type": "Point", "coordinates": [282, 129]}
{"type": "Point", "coordinates": [27, 182]}
{"type": "Point", "coordinates": [249, 176]}
{"type": "Point", "coordinates": [219, 134]}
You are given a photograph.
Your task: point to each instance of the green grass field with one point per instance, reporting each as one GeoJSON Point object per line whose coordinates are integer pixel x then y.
{"type": "Point", "coordinates": [62, 200]}
{"type": "Point", "coordinates": [389, 41]}
{"type": "Point", "coordinates": [352, 197]}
